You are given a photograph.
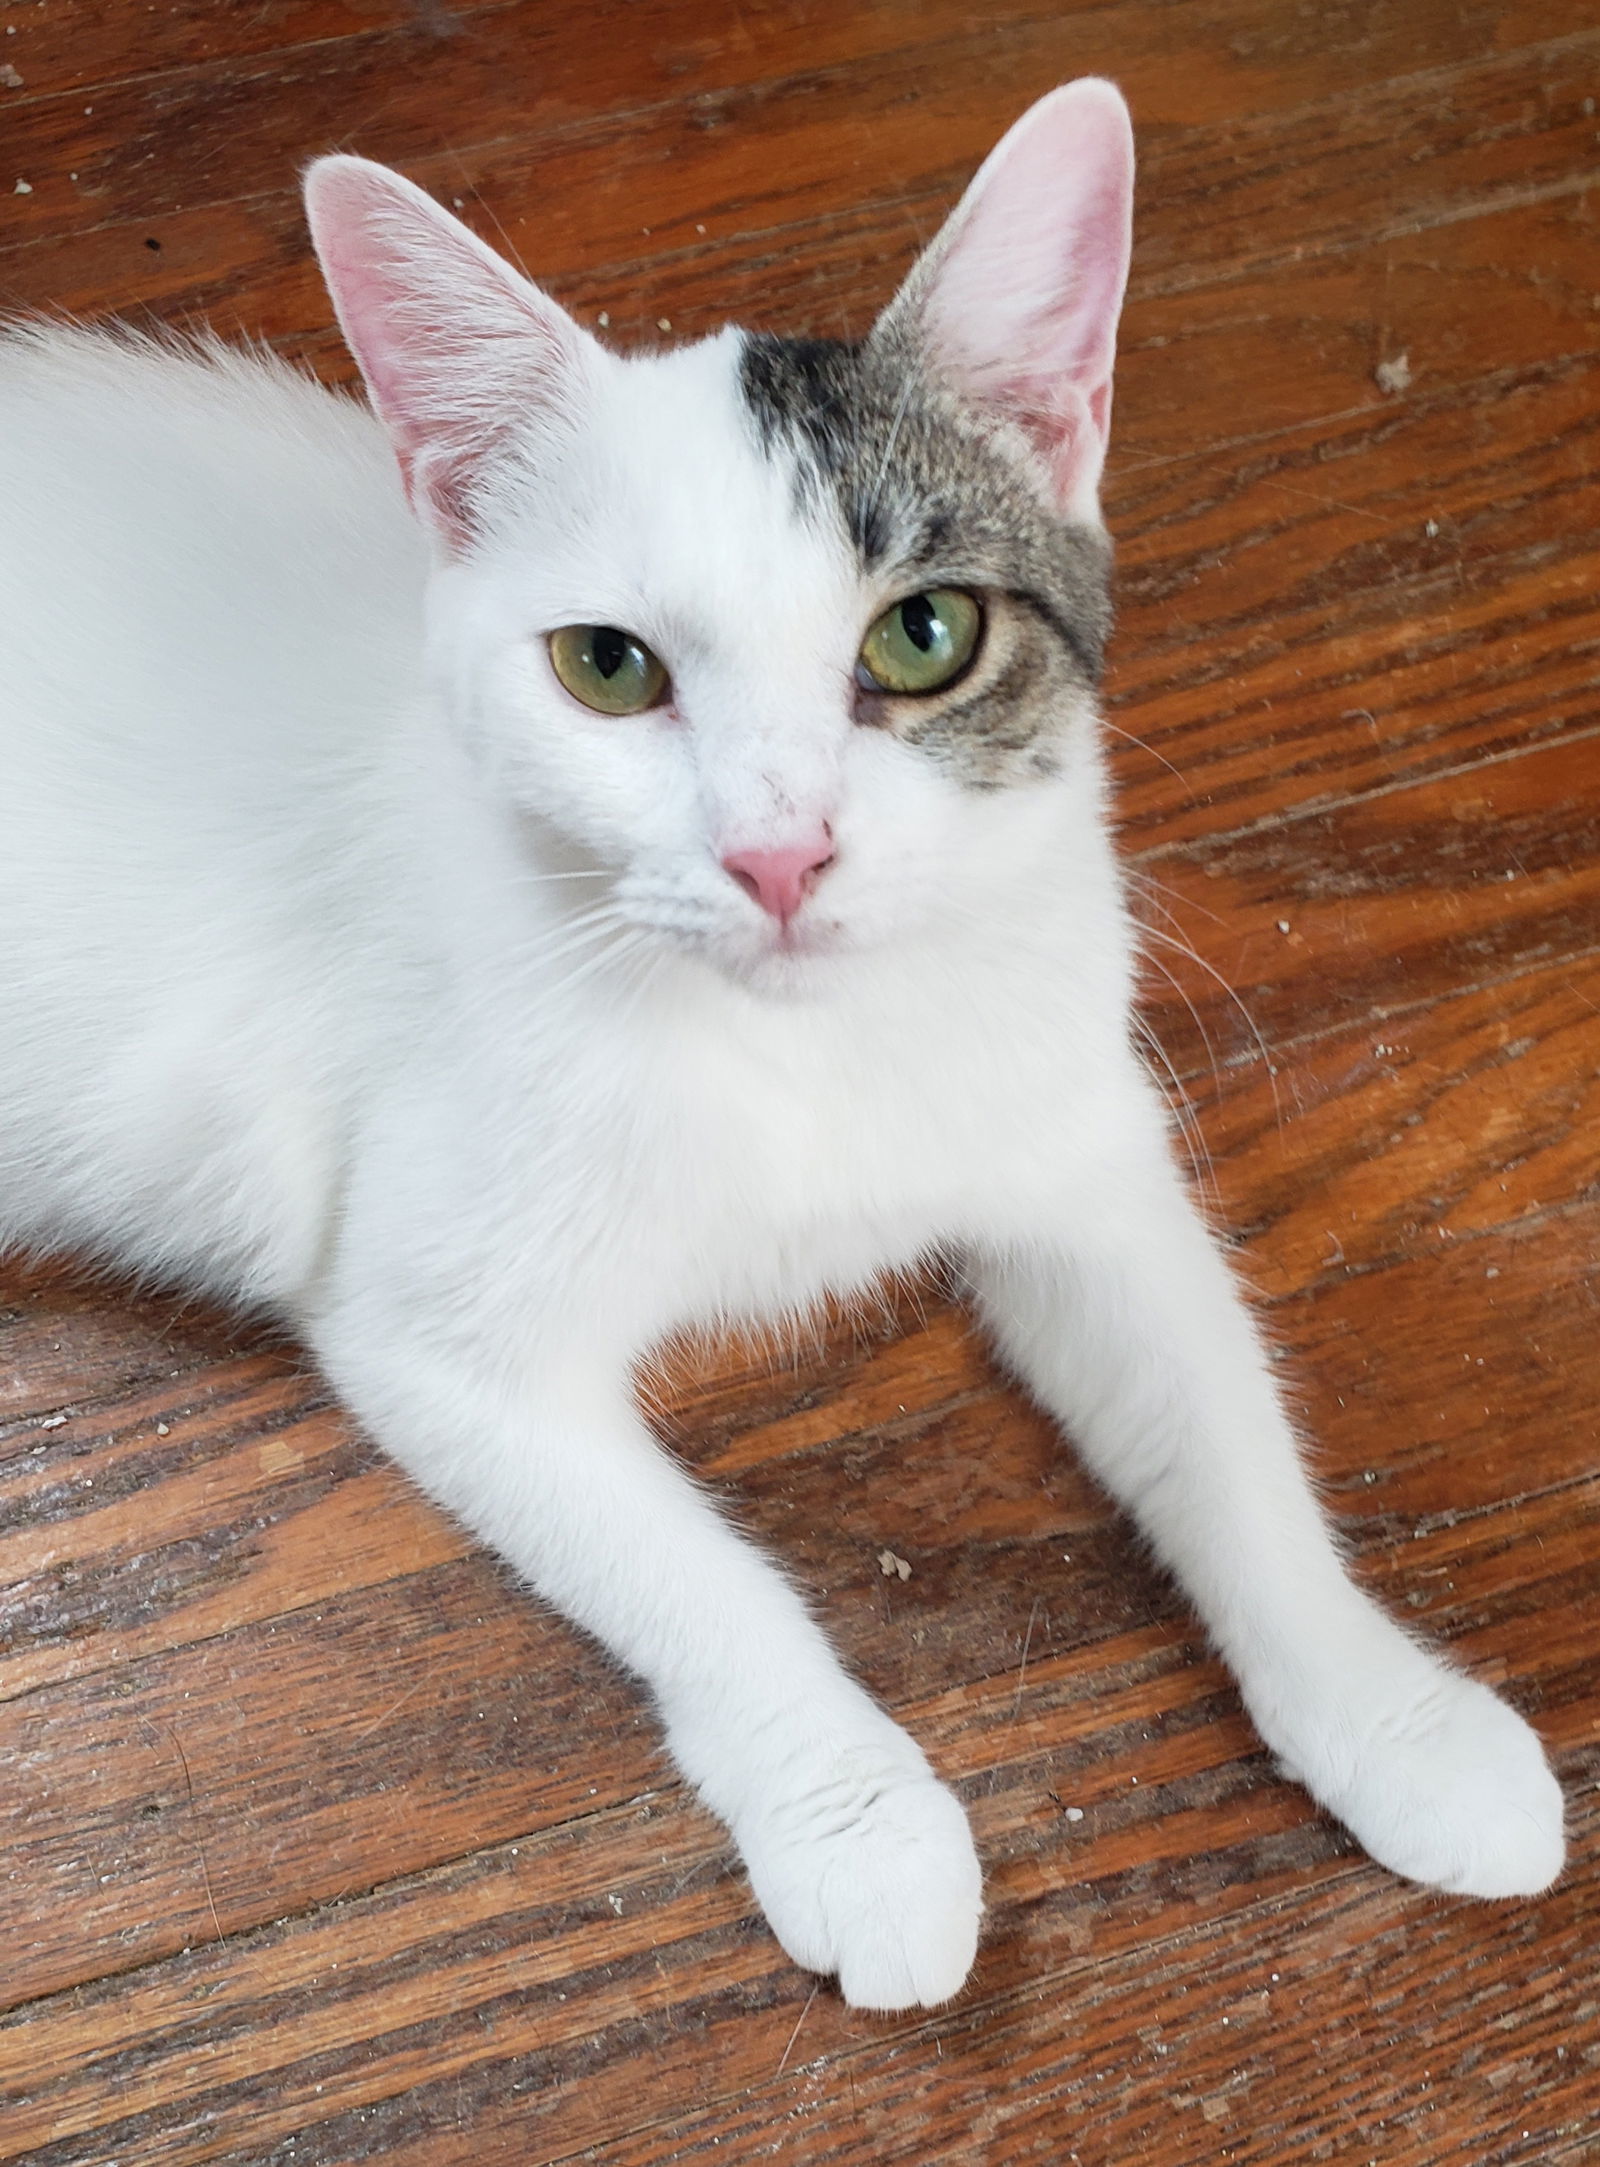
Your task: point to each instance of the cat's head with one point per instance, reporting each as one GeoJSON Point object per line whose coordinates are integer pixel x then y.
{"type": "Point", "coordinates": [799, 639]}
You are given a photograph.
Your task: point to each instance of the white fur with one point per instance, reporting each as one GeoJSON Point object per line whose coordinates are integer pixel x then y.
{"type": "Point", "coordinates": [367, 976]}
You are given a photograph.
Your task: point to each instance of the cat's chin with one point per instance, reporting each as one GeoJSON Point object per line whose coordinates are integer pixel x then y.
{"type": "Point", "coordinates": [802, 960]}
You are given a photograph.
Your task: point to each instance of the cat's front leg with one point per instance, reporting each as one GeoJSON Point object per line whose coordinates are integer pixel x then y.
{"type": "Point", "coordinates": [861, 1859]}
{"type": "Point", "coordinates": [1125, 1324]}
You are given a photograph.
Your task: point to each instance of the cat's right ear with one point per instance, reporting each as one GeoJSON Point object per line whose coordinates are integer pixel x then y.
{"type": "Point", "coordinates": [463, 358]}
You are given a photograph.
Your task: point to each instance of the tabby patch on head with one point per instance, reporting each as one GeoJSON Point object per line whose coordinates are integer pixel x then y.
{"type": "Point", "coordinates": [930, 492]}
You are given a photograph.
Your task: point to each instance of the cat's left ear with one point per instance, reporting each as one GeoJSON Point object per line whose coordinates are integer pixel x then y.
{"type": "Point", "coordinates": [1016, 301]}
{"type": "Point", "coordinates": [464, 360]}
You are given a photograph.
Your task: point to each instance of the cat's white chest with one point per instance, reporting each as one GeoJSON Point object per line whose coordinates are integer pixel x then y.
{"type": "Point", "coordinates": [811, 1152]}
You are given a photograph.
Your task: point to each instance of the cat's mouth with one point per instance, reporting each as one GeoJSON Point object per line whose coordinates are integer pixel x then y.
{"type": "Point", "coordinates": [784, 958]}
{"type": "Point", "coordinates": [766, 951]}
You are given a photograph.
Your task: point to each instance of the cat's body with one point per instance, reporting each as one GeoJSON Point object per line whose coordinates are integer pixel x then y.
{"type": "Point", "coordinates": [215, 715]}
{"type": "Point", "coordinates": [375, 930]}
{"type": "Point", "coordinates": [357, 971]}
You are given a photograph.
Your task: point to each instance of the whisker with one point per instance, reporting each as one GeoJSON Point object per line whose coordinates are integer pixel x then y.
{"type": "Point", "coordinates": [598, 872]}
{"type": "Point", "coordinates": [1182, 948]}
{"type": "Point", "coordinates": [1194, 1016]}
{"type": "Point", "coordinates": [1156, 891]}
{"type": "Point", "coordinates": [1119, 731]}
{"type": "Point", "coordinates": [1201, 1163]}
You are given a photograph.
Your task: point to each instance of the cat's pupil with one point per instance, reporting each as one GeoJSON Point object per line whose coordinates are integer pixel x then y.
{"type": "Point", "coordinates": [609, 648]}
{"type": "Point", "coordinates": [919, 619]}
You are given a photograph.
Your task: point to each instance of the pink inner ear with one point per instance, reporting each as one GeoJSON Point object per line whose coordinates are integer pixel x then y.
{"type": "Point", "coordinates": [457, 350]}
{"type": "Point", "coordinates": [364, 296]}
{"type": "Point", "coordinates": [1027, 283]}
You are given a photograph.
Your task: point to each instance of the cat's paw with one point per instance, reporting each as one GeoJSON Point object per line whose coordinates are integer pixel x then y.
{"type": "Point", "coordinates": [867, 1870]}
{"type": "Point", "coordinates": [1450, 1787]}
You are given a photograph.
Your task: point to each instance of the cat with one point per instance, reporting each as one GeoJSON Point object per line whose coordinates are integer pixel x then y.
{"type": "Point", "coordinates": [593, 846]}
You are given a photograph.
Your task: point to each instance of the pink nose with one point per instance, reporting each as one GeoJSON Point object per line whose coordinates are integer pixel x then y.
{"type": "Point", "coordinates": [780, 880]}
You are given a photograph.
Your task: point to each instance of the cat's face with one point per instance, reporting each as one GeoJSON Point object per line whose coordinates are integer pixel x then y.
{"type": "Point", "coordinates": [746, 512]}
{"type": "Point", "coordinates": [796, 642]}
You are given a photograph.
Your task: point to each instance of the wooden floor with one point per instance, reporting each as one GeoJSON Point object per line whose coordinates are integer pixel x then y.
{"type": "Point", "coordinates": [322, 1843]}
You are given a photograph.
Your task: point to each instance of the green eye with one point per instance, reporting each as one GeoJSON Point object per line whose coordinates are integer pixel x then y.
{"type": "Point", "coordinates": [606, 669]}
{"type": "Point", "coordinates": [922, 643]}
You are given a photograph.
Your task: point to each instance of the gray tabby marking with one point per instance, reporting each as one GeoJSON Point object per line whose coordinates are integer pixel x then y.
{"type": "Point", "coordinates": [931, 493]}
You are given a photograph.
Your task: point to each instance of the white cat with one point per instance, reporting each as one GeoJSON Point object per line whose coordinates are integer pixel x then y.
{"type": "Point", "coordinates": [659, 877]}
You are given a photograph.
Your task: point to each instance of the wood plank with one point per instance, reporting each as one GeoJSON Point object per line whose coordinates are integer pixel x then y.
{"type": "Point", "coordinates": [931, 79]}
{"type": "Point", "coordinates": [1379, 905]}
{"type": "Point", "coordinates": [1480, 608]}
{"type": "Point", "coordinates": [223, 129]}
{"type": "Point", "coordinates": [202, 166]}
{"type": "Point", "coordinates": [66, 1335]}
{"type": "Point", "coordinates": [1259, 58]}
{"type": "Point", "coordinates": [1165, 1802]}
{"type": "Point", "coordinates": [1477, 1115]}
{"type": "Point", "coordinates": [1254, 2046]}
{"type": "Point", "coordinates": [79, 47]}
{"type": "Point", "coordinates": [150, 1525]}
{"type": "Point", "coordinates": [154, 1802]}
{"type": "Point", "coordinates": [1292, 634]}
{"type": "Point", "coordinates": [1166, 1793]}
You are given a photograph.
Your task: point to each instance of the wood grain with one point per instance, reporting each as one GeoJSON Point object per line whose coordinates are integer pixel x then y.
{"type": "Point", "coordinates": [321, 1842]}
{"type": "Point", "coordinates": [1386, 568]}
